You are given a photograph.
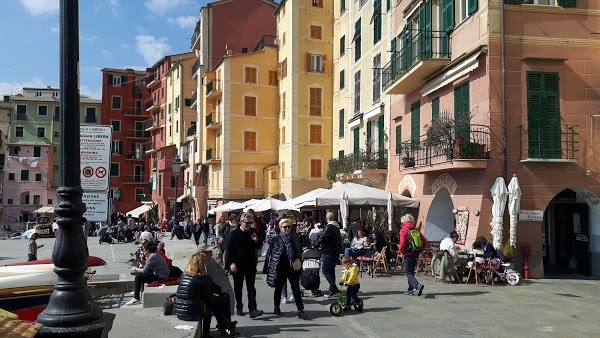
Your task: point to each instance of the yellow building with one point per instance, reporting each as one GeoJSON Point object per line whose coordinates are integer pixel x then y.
{"type": "Point", "coordinates": [305, 37]}
{"type": "Point", "coordinates": [240, 141]}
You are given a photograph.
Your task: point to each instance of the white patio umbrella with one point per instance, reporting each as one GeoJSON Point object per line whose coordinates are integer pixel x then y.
{"type": "Point", "coordinates": [390, 210]}
{"type": "Point", "coordinates": [514, 205]}
{"type": "Point", "coordinates": [229, 206]}
{"type": "Point", "coordinates": [344, 209]}
{"type": "Point", "coordinates": [264, 204]}
{"type": "Point", "coordinates": [499, 194]}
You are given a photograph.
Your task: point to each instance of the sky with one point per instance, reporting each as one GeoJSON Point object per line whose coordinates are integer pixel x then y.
{"type": "Point", "coordinates": [112, 34]}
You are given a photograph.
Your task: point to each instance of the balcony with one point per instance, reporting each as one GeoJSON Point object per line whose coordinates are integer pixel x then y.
{"type": "Point", "coordinates": [266, 41]}
{"type": "Point", "coordinates": [196, 34]}
{"type": "Point", "coordinates": [136, 133]}
{"type": "Point", "coordinates": [212, 90]}
{"type": "Point", "coordinates": [547, 144]}
{"type": "Point", "coordinates": [134, 179]}
{"type": "Point", "coordinates": [135, 155]}
{"type": "Point", "coordinates": [149, 125]}
{"type": "Point", "coordinates": [136, 89]}
{"type": "Point", "coordinates": [427, 53]}
{"type": "Point", "coordinates": [195, 67]}
{"type": "Point", "coordinates": [135, 112]}
{"type": "Point", "coordinates": [212, 157]}
{"type": "Point", "coordinates": [153, 80]}
{"type": "Point", "coordinates": [212, 121]}
{"type": "Point", "coordinates": [191, 131]}
{"type": "Point", "coordinates": [466, 148]}
{"type": "Point", "coordinates": [151, 105]}
{"type": "Point", "coordinates": [149, 147]}
{"type": "Point", "coordinates": [359, 166]}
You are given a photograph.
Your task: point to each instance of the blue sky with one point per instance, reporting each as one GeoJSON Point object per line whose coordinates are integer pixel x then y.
{"type": "Point", "coordinates": [112, 33]}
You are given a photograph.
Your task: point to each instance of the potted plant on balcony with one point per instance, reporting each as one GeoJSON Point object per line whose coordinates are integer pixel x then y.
{"type": "Point", "coordinates": [466, 149]}
{"type": "Point", "coordinates": [440, 133]}
{"type": "Point", "coordinates": [408, 160]}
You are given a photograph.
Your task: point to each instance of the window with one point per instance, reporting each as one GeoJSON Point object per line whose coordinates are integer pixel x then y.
{"type": "Point", "coordinates": [50, 201]}
{"type": "Point", "coordinates": [283, 105]}
{"type": "Point", "coordinates": [56, 134]}
{"type": "Point", "coordinates": [116, 102]}
{"type": "Point", "coordinates": [139, 194]}
{"type": "Point", "coordinates": [38, 177]}
{"type": "Point", "coordinates": [357, 40]}
{"type": "Point", "coordinates": [55, 94]}
{"type": "Point", "coordinates": [41, 131]}
{"type": "Point", "coordinates": [317, 3]}
{"type": "Point", "coordinates": [173, 181]}
{"type": "Point", "coordinates": [376, 21]}
{"type": "Point", "coordinates": [315, 63]}
{"type": "Point", "coordinates": [90, 115]}
{"type": "Point", "coordinates": [468, 7]}
{"type": "Point", "coordinates": [316, 32]}
{"type": "Point", "coordinates": [435, 109]}
{"type": "Point", "coordinates": [249, 179]}
{"type": "Point", "coordinates": [273, 175]}
{"type": "Point", "coordinates": [11, 176]}
{"type": "Point", "coordinates": [357, 92]}
{"type": "Point", "coordinates": [315, 134]}
{"type": "Point", "coordinates": [36, 199]}
{"type": "Point", "coordinates": [19, 131]}
{"type": "Point", "coordinates": [284, 68]}
{"type": "Point", "coordinates": [138, 107]}
{"type": "Point", "coordinates": [376, 78]}
{"type": "Point", "coordinates": [543, 115]}
{"type": "Point", "coordinates": [10, 201]}
{"type": "Point", "coordinates": [249, 105]}
{"type": "Point", "coordinates": [462, 114]}
{"type": "Point", "coordinates": [342, 124]}
{"type": "Point", "coordinates": [57, 113]}
{"type": "Point", "coordinates": [250, 140]}
{"type": "Point", "coordinates": [282, 139]}
{"type": "Point", "coordinates": [117, 147]}
{"type": "Point", "coordinates": [177, 102]}
{"type": "Point", "coordinates": [342, 45]}
{"type": "Point", "coordinates": [21, 112]}
{"type": "Point", "coordinates": [116, 125]}
{"type": "Point", "coordinates": [342, 7]}
{"type": "Point", "coordinates": [43, 110]}
{"type": "Point", "coordinates": [272, 78]}
{"type": "Point", "coordinates": [116, 80]}
{"type": "Point", "coordinates": [24, 175]}
{"type": "Point", "coordinates": [250, 75]}
{"type": "Point", "coordinates": [342, 78]}
{"type": "Point", "coordinates": [38, 93]}
{"type": "Point", "coordinates": [283, 39]}
{"type": "Point", "coordinates": [315, 101]}
{"type": "Point", "coordinates": [37, 151]}
{"type": "Point", "coordinates": [341, 154]}
{"type": "Point", "coordinates": [114, 169]}
{"type": "Point", "coordinates": [415, 123]}
{"type": "Point", "coordinates": [315, 168]}
{"type": "Point", "coordinates": [283, 169]}
{"type": "Point", "coordinates": [398, 139]}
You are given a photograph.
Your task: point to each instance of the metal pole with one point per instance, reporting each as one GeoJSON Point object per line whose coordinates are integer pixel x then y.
{"type": "Point", "coordinates": [175, 201]}
{"type": "Point", "coordinates": [71, 312]}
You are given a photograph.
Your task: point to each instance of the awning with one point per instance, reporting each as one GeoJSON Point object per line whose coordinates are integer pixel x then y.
{"type": "Point", "coordinates": [454, 73]}
{"type": "Point", "coordinates": [355, 120]}
{"type": "Point", "coordinates": [44, 210]}
{"type": "Point", "coordinates": [139, 210]}
{"type": "Point", "coordinates": [373, 111]}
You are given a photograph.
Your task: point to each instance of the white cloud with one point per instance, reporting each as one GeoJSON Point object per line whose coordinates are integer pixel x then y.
{"type": "Point", "coordinates": [114, 7]}
{"type": "Point", "coordinates": [184, 21]}
{"type": "Point", "coordinates": [124, 45]}
{"type": "Point", "coordinates": [7, 88]}
{"type": "Point", "coordinates": [95, 93]}
{"type": "Point", "coordinates": [151, 48]}
{"type": "Point", "coordinates": [40, 7]}
{"type": "Point", "coordinates": [161, 6]}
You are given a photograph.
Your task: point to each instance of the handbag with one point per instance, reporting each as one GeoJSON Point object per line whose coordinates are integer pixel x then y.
{"type": "Point", "coordinates": [168, 305]}
{"type": "Point", "coordinates": [297, 264]}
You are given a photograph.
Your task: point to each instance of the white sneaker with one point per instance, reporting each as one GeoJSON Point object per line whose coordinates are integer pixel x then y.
{"type": "Point", "coordinates": [133, 301]}
{"type": "Point", "coordinates": [291, 298]}
{"type": "Point", "coordinates": [284, 301]}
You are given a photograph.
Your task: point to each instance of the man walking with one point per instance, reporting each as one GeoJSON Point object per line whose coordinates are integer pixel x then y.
{"type": "Point", "coordinates": [241, 260]}
{"type": "Point", "coordinates": [411, 253]}
{"type": "Point", "coordinates": [331, 244]}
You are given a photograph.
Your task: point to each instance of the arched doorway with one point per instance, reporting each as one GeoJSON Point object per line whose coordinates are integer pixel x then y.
{"type": "Point", "coordinates": [571, 222]}
{"type": "Point", "coordinates": [440, 219]}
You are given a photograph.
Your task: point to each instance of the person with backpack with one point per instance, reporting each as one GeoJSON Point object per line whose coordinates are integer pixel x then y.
{"type": "Point", "coordinates": [412, 242]}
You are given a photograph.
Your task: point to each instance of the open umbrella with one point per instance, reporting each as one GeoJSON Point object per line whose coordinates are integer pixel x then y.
{"type": "Point", "coordinates": [264, 204]}
{"type": "Point", "coordinates": [344, 209]}
{"type": "Point", "coordinates": [514, 205]}
{"type": "Point", "coordinates": [499, 194]}
{"type": "Point", "coordinates": [390, 210]}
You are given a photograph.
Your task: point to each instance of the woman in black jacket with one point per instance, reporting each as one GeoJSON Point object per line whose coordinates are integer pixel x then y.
{"type": "Point", "coordinates": [284, 262]}
{"type": "Point", "coordinates": [197, 295]}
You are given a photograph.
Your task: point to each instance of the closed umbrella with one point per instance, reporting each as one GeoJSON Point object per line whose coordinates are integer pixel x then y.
{"type": "Point", "coordinates": [344, 209]}
{"type": "Point", "coordinates": [514, 205]}
{"type": "Point", "coordinates": [499, 195]}
{"type": "Point", "coordinates": [390, 210]}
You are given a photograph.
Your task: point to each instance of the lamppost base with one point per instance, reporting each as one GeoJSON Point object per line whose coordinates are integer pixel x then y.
{"type": "Point", "coordinates": [95, 329]}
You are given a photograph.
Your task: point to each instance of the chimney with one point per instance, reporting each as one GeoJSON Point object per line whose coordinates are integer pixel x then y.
{"type": "Point", "coordinates": [228, 50]}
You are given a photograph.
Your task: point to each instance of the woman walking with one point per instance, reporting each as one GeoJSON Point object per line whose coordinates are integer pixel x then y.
{"type": "Point", "coordinates": [283, 264]}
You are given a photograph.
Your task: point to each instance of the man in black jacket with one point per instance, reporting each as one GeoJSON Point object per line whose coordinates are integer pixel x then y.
{"type": "Point", "coordinates": [241, 260]}
{"type": "Point", "coordinates": [331, 244]}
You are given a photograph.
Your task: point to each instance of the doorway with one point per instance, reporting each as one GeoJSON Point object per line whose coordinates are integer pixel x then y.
{"type": "Point", "coordinates": [440, 219]}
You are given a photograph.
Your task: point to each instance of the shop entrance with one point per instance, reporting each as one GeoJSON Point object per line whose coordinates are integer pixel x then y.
{"type": "Point", "coordinates": [440, 219]}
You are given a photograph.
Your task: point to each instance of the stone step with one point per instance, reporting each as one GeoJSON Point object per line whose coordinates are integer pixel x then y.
{"type": "Point", "coordinates": [155, 296]}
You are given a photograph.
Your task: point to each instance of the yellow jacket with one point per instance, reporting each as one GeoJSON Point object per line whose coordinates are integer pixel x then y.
{"type": "Point", "coordinates": [350, 276]}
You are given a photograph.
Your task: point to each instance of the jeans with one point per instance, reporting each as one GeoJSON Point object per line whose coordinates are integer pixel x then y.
{"type": "Point", "coordinates": [281, 281]}
{"type": "Point", "coordinates": [328, 268]}
{"type": "Point", "coordinates": [353, 253]}
{"type": "Point", "coordinates": [197, 237]}
{"type": "Point", "coordinates": [31, 257]}
{"type": "Point", "coordinates": [352, 293]}
{"type": "Point", "coordinates": [410, 264]}
{"type": "Point", "coordinates": [206, 236]}
{"type": "Point", "coordinates": [238, 284]}
{"type": "Point", "coordinates": [141, 278]}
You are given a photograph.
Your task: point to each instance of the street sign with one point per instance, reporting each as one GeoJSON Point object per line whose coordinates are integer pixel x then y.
{"type": "Point", "coordinates": [97, 206]}
{"type": "Point", "coordinates": [531, 215]}
{"type": "Point", "coordinates": [95, 157]}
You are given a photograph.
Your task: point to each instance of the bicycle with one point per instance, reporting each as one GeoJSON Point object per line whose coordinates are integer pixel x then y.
{"type": "Point", "coordinates": [337, 307]}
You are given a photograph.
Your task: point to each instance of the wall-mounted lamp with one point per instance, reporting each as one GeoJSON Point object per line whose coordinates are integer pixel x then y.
{"type": "Point", "coordinates": [454, 211]}
{"type": "Point", "coordinates": [476, 212]}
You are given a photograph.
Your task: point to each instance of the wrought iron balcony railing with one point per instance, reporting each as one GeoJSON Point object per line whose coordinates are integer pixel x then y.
{"type": "Point", "coordinates": [195, 67]}
{"type": "Point", "coordinates": [191, 131]}
{"type": "Point", "coordinates": [137, 133]}
{"type": "Point", "coordinates": [149, 103]}
{"type": "Point", "coordinates": [467, 142]}
{"type": "Point", "coordinates": [424, 45]}
{"type": "Point", "coordinates": [548, 143]}
{"type": "Point", "coordinates": [358, 161]}
{"type": "Point", "coordinates": [148, 123]}
{"type": "Point", "coordinates": [210, 86]}
{"type": "Point", "coordinates": [196, 34]}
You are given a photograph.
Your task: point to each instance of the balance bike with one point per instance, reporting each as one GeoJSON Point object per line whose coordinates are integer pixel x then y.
{"type": "Point", "coordinates": [337, 307]}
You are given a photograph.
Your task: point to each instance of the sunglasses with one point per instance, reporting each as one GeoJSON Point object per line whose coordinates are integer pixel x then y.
{"type": "Point", "coordinates": [248, 222]}
{"type": "Point", "coordinates": [286, 227]}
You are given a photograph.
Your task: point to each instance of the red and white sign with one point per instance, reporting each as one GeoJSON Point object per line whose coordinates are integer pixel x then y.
{"type": "Point", "coordinates": [95, 157]}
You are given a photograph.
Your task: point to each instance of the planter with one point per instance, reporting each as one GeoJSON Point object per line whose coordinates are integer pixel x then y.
{"type": "Point", "coordinates": [408, 162]}
{"type": "Point", "coordinates": [468, 150]}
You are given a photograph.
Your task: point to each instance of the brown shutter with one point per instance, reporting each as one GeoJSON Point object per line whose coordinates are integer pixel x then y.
{"type": "Point", "coordinates": [323, 63]}
{"type": "Point", "coordinates": [308, 62]}
{"type": "Point", "coordinates": [279, 70]}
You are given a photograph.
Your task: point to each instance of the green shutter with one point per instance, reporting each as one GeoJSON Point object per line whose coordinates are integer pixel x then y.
{"type": "Point", "coordinates": [435, 109]}
{"type": "Point", "coordinates": [342, 45]}
{"type": "Point", "coordinates": [472, 6]}
{"type": "Point", "coordinates": [543, 115]}
{"type": "Point", "coordinates": [342, 124]}
{"type": "Point", "coordinates": [357, 40]}
{"type": "Point", "coordinates": [342, 6]}
{"type": "Point", "coordinates": [415, 123]}
{"type": "Point", "coordinates": [447, 24]}
{"type": "Point", "coordinates": [567, 3]}
{"type": "Point", "coordinates": [380, 133]}
{"type": "Point", "coordinates": [462, 116]}
{"type": "Point", "coordinates": [388, 6]}
{"type": "Point", "coordinates": [425, 30]}
{"type": "Point", "coordinates": [377, 21]}
{"type": "Point", "coordinates": [393, 49]}
{"type": "Point", "coordinates": [514, 2]}
{"type": "Point", "coordinates": [369, 126]}
{"type": "Point", "coordinates": [342, 78]}
{"type": "Point", "coordinates": [398, 139]}
{"type": "Point", "coordinates": [406, 47]}
{"type": "Point", "coordinates": [356, 141]}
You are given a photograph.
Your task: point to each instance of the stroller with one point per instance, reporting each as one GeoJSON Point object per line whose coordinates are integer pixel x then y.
{"type": "Point", "coordinates": [311, 264]}
{"type": "Point", "coordinates": [104, 236]}
{"type": "Point", "coordinates": [501, 271]}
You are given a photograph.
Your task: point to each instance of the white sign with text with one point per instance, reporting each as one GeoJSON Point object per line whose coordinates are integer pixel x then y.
{"type": "Point", "coordinates": [95, 157]}
{"type": "Point", "coordinates": [96, 204]}
{"type": "Point", "coordinates": [531, 215]}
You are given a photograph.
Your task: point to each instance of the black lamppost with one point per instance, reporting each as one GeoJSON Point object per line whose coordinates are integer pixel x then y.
{"type": "Point", "coordinates": [71, 311]}
{"type": "Point", "coordinates": [177, 164]}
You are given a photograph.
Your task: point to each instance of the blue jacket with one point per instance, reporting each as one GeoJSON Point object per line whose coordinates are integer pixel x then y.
{"type": "Point", "coordinates": [274, 254]}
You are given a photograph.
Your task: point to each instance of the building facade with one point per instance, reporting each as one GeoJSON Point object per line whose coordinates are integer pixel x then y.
{"type": "Point", "coordinates": [482, 89]}
{"type": "Point", "coordinates": [123, 95]}
{"type": "Point", "coordinates": [305, 38]}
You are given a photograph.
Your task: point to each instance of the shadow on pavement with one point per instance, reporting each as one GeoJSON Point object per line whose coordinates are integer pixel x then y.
{"type": "Point", "coordinates": [468, 293]}
{"type": "Point", "coordinates": [291, 329]}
